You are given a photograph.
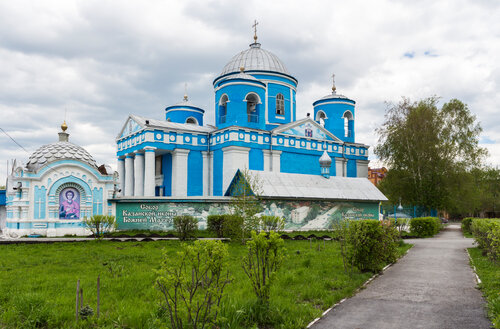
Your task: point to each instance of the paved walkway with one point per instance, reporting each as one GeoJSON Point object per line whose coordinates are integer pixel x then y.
{"type": "Point", "coordinates": [433, 286]}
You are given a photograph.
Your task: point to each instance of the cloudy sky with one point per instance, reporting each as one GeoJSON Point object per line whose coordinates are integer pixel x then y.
{"type": "Point", "coordinates": [102, 60]}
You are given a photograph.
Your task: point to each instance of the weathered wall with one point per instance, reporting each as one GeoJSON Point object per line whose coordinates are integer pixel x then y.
{"type": "Point", "coordinates": [299, 215]}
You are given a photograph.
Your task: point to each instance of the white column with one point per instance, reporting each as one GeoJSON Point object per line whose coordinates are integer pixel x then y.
{"type": "Point", "coordinates": [129, 175]}
{"type": "Point", "coordinates": [235, 157]}
{"type": "Point", "coordinates": [149, 171]}
{"type": "Point", "coordinates": [139, 174]}
{"type": "Point", "coordinates": [276, 161]}
{"type": "Point", "coordinates": [121, 175]}
{"type": "Point", "coordinates": [179, 172]}
{"type": "Point", "coordinates": [362, 168]}
{"type": "Point", "coordinates": [267, 160]}
{"type": "Point", "coordinates": [206, 173]}
{"type": "Point", "coordinates": [339, 167]}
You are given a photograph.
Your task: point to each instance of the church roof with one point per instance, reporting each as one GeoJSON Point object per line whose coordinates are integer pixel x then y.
{"type": "Point", "coordinates": [285, 185]}
{"type": "Point", "coordinates": [61, 150]}
{"type": "Point", "coordinates": [255, 58]}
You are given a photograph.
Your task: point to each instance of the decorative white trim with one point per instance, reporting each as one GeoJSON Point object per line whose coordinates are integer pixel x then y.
{"type": "Point", "coordinates": [325, 103]}
{"type": "Point", "coordinates": [185, 109]}
{"type": "Point", "coordinates": [240, 83]}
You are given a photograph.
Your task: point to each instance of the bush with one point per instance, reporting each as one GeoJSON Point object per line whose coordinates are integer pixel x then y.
{"type": "Point", "coordinates": [99, 224]}
{"type": "Point", "coordinates": [234, 227]}
{"type": "Point", "coordinates": [371, 244]}
{"type": "Point", "coordinates": [466, 224]}
{"type": "Point", "coordinates": [192, 285]}
{"type": "Point", "coordinates": [486, 232]}
{"type": "Point", "coordinates": [272, 223]}
{"type": "Point", "coordinates": [264, 258]}
{"type": "Point", "coordinates": [185, 226]}
{"type": "Point", "coordinates": [215, 224]}
{"type": "Point", "coordinates": [424, 227]}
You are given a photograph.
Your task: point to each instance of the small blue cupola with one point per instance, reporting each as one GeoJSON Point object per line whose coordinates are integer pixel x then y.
{"type": "Point", "coordinates": [325, 162]}
{"type": "Point", "coordinates": [185, 112]}
{"type": "Point", "coordinates": [336, 113]}
{"type": "Point", "coordinates": [240, 100]}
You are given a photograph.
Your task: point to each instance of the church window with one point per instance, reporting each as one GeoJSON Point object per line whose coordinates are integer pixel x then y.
{"type": "Point", "coordinates": [321, 117]}
{"type": "Point", "coordinates": [223, 108]}
{"type": "Point", "coordinates": [252, 101]}
{"type": "Point", "coordinates": [192, 121]}
{"type": "Point", "coordinates": [347, 118]}
{"type": "Point", "coordinates": [158, 165]}
{"type": "Point", "coordinates": [280, 104]}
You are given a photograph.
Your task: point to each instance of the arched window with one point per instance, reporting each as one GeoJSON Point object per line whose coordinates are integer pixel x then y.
{"type": "Point", "coordinates": [192, 121]}
{"type": "Point", "coordinates": [347, 126]}
{"type": "Point", "coordinates": [321, 117]}
{"type": "Point", "coordinates": [252, 101]}
{"type": "Point", "coordinates": [223, 108]}
{"type": "Point", "coordinates": [280, 104]}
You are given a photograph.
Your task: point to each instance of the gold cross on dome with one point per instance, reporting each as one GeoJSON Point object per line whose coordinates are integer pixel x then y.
{"type": "Point", "coordinates": [255, 30]}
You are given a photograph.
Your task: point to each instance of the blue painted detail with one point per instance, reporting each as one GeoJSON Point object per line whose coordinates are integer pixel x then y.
{"type": "Point", "coordinates": [195, 174]}
{"type": "Point", "coordinates": [131, 126]}
{"type": "Point", "coordinates": [297, 163]}
{"type": "Point", "coordinates": [188, 138]}
{"type": "Point", "coordinates": [181, 114]}
{"type": "Point", "coordinates": [54, 165]}
{"type": "Point", "coordinates": [255, 159]}
{"type": "Point", "coordinates": [97, 200]}
{"type": "Point", "coordinates": [335, 109]}
{"type": "Point", "coordinates": [218, 172]}
{"type": "Point", "coordinates": [172, 137]}
{"type": "Point", "coordinates": [158, 134]}
{"type": "Point", "coordinates": [166, 171]}
{"type": "Point", "coordinates": [202, 139]}
{"type": "Point", "coordinates": [351, 168]}
{"type": "Point", "coordinates": [70, 179]}
{"type": "Point", "coordinates": [3, 199]}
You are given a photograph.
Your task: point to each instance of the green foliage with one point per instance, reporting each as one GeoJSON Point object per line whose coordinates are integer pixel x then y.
{"type": "Point", "coordinates": [489, 273]}
{"type": "Point", "coordinates": [430, 151]}
{"type": "Point", "coordinates": [215, 224]}
{"type": "Point", "coordinates": [264, 258]}
{"type": "Point", "coordinates": [272, 223]}
{"type": "Point", "coordinates": [371, 244]}
{"type": "Point", "coordinates": [192, 285]}
{"type": "Point", "coordinates": [185, 226]}
{"type": "Point", "coordinates": [100, 224]}
{"type": "Point", "coordinates": [424, 227]}
{"type": "Point", "coordinates": [486, 232]}
{"type": "Point", "coordinates": [245, 192]}
{"type": "Point", "coordinates": [466, 222]}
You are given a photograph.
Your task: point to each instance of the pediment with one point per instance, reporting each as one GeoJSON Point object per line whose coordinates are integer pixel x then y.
{"type": "Point", "coordinates": [306, 128]}
{"type": "Point", "coordinates": [131, 126]}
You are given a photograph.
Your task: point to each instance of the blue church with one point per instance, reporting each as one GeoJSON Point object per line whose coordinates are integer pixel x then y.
{"type": "Point", "coordinates": [256, 128]}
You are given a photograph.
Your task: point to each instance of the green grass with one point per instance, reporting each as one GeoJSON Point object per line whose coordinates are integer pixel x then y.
{"type": "Point", "coordinates": [489, 273]}
{"type": "Point", "coordinates": [38, 283]}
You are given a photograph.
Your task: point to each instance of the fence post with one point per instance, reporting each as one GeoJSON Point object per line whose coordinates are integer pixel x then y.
{"type": "Point", "coordinates": [77, 297]}
{"type": "Point", "coordinates": [98, 294]}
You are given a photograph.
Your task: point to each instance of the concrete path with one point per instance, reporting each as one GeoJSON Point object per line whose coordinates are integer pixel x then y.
{"type": "Point", "coordinates": [433, 286]}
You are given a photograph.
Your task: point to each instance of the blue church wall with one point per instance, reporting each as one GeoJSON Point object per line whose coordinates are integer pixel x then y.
{"type": "Point", "coordinates": [256, 159]}
{"type": "Point", "coordinates": [296, 163]}
{"type": "Point", "coordinates": [335, 121]}
{"type": "Point", "coordinates": [272, 91]}
{"type": "Point", "coordinates": [3, 198]}
{"type": "Point", "coordinates": [218, 172]}
{"type": "Point", "coordinates": [166, 171]}
{"type": "Point", "coordinates": [351, 168]}
{"type": "Point", "coordinates": [195, 174]}
{"type": "Point", "coordinates": [180, 114]}
{"type": "Point", "coordinates": [97, 201]}
{"type": "Point", "coordinates": [237, 106]}
{"type": "Point", "coordinates": [59, 163]}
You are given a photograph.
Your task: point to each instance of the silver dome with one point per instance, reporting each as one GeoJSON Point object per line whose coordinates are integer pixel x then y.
{"type": "Point", "coordinates": [255, 58]}
{"type": "Point", "coordinates": [325, 160]}
{"type": "Point", "coordinates": [59, 151]}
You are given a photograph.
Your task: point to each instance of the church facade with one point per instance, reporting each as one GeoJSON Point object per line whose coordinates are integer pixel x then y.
{"type": "Point", "coordinates": [59, 186]}
{"type": "Point", "coordinates": [256, 128]}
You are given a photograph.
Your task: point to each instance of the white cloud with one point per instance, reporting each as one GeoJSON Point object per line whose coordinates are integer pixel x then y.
{"type": "Point", "coordinates": [101, 61]}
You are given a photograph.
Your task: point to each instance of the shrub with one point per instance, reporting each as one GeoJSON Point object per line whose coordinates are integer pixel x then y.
{"type": "Point", "coordinates": [466, 224]}
{"type": "Point", "coordinates": [192, 284]}
{"type": "Point", "coordinates": [372, 244]}
{"type": "Point", "coordinates": [264, 258]}
{"type": "Point", "coordinates": [424, 227]}
{"type": "Point", "coordinates": [272, 223]}
{"type": "Point", "coordinates": [486, 232]}
{"type": "Point", "coordinates": [215, 224]}
{"type": "Point", "coordinates": [185, 226]}
{"type": "Point", "coordinates": [234, 227]}
{"type": "Point", "coordinates": [99, 224]}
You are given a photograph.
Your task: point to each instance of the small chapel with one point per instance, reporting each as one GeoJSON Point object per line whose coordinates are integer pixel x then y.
{"type": "Point", "coordinates": [256, 127]}
{"type": "Point", "coordinates": [55, 190]}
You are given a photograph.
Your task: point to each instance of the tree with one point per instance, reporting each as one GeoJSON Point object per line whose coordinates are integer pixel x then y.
{"type": "Point", "coordinates": [99, 224]}
{"type": "Point", "coordinates": [428, 150]}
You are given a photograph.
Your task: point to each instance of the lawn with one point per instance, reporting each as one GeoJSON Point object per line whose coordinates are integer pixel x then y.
{"type": "Point", "coordinates": [489, 273]}
{"type": "Point", "coordinates": [38, 284]}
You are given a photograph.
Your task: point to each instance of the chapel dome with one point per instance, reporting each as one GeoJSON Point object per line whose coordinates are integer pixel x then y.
{"type": "Point", "coordinates": [61, 150]}
{"type": "Point", "coordinates": [255, 58]}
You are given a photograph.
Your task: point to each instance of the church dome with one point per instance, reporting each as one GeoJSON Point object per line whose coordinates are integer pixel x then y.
{"type": "Point", "coordinates": [61, 150]}
{"type": "Point", "coordinates": [255, 58]}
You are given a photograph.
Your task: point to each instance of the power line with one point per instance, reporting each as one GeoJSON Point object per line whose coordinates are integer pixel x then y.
{"type": "Point", "coordinates": [13, 140]}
